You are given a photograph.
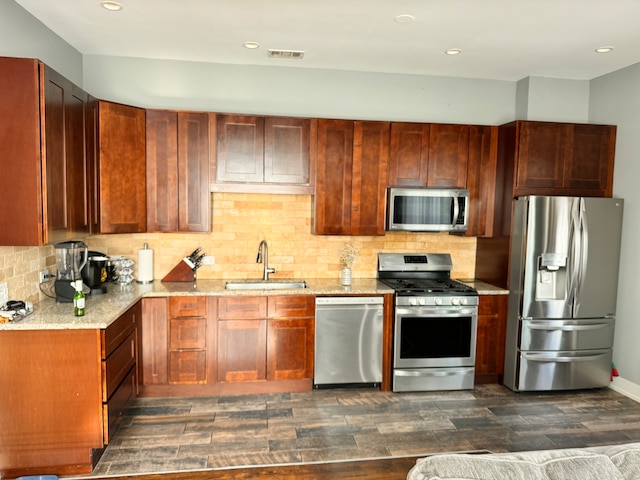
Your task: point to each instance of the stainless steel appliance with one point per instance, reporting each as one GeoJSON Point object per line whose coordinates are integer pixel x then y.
{"type": "Point", "coordinates": [348, 340]}
{"type": "Point", "coordinates": [563, 281]}
{"type": "Point", "coordinates": [420, 209]}
{"type": "Point", "coordinates": [71, 257]}
{"type": "Point", "coordinates": [436, 321]}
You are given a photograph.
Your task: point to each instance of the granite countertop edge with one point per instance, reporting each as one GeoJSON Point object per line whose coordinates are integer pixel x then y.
{"type": "Point", "coordinates": [102, 310]}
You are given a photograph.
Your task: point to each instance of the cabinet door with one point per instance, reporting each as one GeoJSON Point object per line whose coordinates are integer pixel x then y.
{"type": "Point", "coordinates": [369, 177]}
{"type": "Point", "coordinates": [123, 198]}
{"type": "Point", "coordinates": [333, 198]}
{"type": "Point", "coordinates": [286, 150]}
{"type": "Point", "coordinates": [492, 328]}
{"type": "Point", "coordinates": [193, 172]}
{"type": "Point", "coordinates": [20, 138]}
{"type": "Point", "coordinates": [76, 132]}
{"type": "Point", "coordinates": [409, 154]}
{"type": "Point", "coordinates": [540, 156]}
{"type": "Point", "coordinates": [162, 171]}
{"type": "Point", "coordinates": [448, 153]}
{"type": "Point", "coordinates": [242, 350]}
{"type": "Point", "coordinates": [154, 341]}
{"type": "Point", "coordinates": [290, 349]}
{"type": "Point", "coordinates": [589, 159]}
{"type": "Point", "coordinates": [240, 148]}
{"type": "Point", "coordinates": [485, 192]}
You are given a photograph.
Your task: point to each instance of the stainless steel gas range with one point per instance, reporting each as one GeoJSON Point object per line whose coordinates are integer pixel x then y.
{"type": "Point", "coordinates": [436, 320]}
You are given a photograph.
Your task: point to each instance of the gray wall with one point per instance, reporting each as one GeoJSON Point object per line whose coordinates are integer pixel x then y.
{"type": "Point", "coordinates": [21, 35]}
{"type": "Point", "coordinates": [615, 99]}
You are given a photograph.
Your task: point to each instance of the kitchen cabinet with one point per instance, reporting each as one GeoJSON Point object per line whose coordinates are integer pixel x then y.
{"type": "Point", "coordinates": [265, 338]}
{"type": "Point", "coordinates": [44, 169]}
{"type": "Point", "coordinates": [428, 155]}
{"type": "Point", "coordinates": [122, 171]}
{"type": "Point", "coordinates": [268, 152]}
{"type": "Point", "coordinates": [189, 338]}
{"type": "Point", "coordinates": [560, 158]}
{"type": "Point", "coordinates": [351, 177]}
{"type": "Point", "coordinates": [155, 343]}
{"type": "Point", "coordinates": [177, 171]}
{"type": "Point", "coordinates": [483, 181]}
{"type": "Point", "coordinates": [491, 337]}
{"type": "Point", "coordinates": [63, 394]}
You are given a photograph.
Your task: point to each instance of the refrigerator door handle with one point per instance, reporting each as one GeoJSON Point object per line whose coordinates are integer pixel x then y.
{"type": "Point", "coordinates": [582, 256]}
{"type": "Point", "coordinates": [575, 244]}
{"type": "Point", "coordinates": [567, 328]}
{"type": "Point", "coordinates": [554, 358]}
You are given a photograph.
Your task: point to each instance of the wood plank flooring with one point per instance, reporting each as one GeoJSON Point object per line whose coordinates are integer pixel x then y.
{"type": "Point", "coordinates": [326, 433]}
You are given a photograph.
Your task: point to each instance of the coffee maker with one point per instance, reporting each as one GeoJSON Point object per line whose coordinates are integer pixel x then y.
{"type": "Point", "coordinates": [71, 257]}
{"type": "Point", "coordinates": [94, 273]}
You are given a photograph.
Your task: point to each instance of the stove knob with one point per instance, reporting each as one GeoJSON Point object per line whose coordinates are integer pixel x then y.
{"type": "Point", "coordinates": [413, 301]}
{"type": "Point", "coordinates": [455, 301]}
{"type": "Point", "coordinates": [463, 301]}
{"type": "Point", "coordinates": [422, 301]}
{"type": "Point", "coordinates": [438, 301]}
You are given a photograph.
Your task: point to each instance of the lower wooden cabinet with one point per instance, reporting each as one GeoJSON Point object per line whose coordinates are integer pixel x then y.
{"type": "Point", "coordinates": [492, 329]}
{"type": "Point", "coordinates": [199, 345]}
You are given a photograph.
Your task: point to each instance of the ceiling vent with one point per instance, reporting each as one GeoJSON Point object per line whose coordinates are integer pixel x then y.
{"type": "Point", "coordinates": [286, 53]}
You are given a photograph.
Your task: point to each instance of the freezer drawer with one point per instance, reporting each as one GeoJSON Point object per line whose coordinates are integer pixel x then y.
{"type": "Point", "coordinates": [564, 370]}
{"type": "Point", "coordinates": [555, 335]}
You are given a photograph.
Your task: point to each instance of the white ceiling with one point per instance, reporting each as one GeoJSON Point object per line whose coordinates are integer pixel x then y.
{"type": "Point", "coordinates": [500, 39]}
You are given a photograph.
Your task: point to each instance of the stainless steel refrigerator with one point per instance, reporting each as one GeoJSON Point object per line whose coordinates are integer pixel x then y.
{"type": "Point", "coordinates": [563, 279]}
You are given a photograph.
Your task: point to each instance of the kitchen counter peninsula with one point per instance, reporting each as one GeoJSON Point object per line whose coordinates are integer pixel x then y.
{"type": "Point", "coordinates": [102, 310]}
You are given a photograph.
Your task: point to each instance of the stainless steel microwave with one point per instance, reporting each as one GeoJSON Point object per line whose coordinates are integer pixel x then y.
{"type": "Point", "coordinates": [421, 209]}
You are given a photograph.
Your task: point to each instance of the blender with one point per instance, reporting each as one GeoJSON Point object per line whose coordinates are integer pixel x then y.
{"type": "Point", "coordinates": [71, 257]}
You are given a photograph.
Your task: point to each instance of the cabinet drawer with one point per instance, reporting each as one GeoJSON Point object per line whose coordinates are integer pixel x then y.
{"type": "Point", "coordinates": [192, 306]}
{"type": "Point", "coordinates": [114, 409]}
{"type": "Point", "coordinates": [187, 333]}
{"type": "Point", "coordinates": [235, 308]}
{"type": "Point", "coordinates": [291, 306]}
{"type": "Point", "coordinates": [119, 330]}
{"type": "Point", "coordinates": [551, 335]}
{"type": "Point", "coordinates": [116, 366]}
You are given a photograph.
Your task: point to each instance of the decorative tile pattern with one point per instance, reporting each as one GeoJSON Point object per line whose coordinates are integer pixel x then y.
{"type": "Point", "coordinates": [181, 434]}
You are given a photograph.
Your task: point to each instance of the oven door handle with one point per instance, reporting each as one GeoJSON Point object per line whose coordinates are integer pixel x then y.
{"type": "Point", "coordinates": [437, 311]}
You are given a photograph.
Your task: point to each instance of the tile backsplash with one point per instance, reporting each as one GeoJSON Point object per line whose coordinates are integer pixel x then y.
{"type": "Point", "coordinates": [239, 222]}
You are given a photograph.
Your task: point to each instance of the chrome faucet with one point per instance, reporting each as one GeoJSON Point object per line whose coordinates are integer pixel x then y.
{"type": "Point", "coordinates": [267, 270]}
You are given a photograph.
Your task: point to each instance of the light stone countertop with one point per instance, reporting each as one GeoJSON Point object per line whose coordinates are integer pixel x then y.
{"type": "Point", "coordinates": [102, 310]}
{"type": "Point", "coordinates": [484, 288]}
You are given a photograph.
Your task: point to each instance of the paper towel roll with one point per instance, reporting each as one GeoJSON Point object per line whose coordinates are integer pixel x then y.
{"type": "Point", "coordinates": [145, 265]}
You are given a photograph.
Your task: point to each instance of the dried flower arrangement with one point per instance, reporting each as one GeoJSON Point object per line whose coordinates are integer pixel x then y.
{"type": "Point", "coordinates": [349, 255]}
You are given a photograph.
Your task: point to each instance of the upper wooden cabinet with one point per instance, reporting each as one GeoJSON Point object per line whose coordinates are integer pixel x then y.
{"type": "Point", "coordinates": [272, 152]}
{"type": "Point", "coordinates": [43, 165]}
{"type": "Point", "coordinates": [482, 181]}
{"type": "Point", "coordinates": [428, 155]}
{"type": "Point", "coordinates": [560, 158]}
{"type": "Point", "coordinates": [177, 171]}
{"type": "Point", "coordinates": [351, 177]}
{"type": "Point", "coordinates": [122, 176]}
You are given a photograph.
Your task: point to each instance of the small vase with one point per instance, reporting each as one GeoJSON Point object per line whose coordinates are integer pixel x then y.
{"type": "Point", "coordinates": [345, 276]}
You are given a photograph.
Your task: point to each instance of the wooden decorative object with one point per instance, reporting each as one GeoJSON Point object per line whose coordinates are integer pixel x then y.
{"type": "Point", "coordinates": [182, 272]}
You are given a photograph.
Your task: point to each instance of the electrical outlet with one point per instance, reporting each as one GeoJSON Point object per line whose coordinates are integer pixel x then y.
{"type": "Point", "coordinates": [4, 293]}
{"type": "Point", "coordinates": [209, 260]}
{"type": "Point", "coordinates": [44, 276]}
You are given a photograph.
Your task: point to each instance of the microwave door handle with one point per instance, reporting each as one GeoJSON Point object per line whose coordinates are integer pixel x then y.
{"type": "Point", "coordinates": [456, 211]}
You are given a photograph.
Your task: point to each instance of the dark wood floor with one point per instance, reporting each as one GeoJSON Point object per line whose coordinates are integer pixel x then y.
{"type": "Point", "coordinates": [382, 469]}
{"type": "Point", "coordinates": [332, 433]}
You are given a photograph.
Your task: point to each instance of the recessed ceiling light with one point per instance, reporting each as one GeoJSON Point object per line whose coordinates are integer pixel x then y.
{"type": "Point", "coordinates": [453, 51]}
{"type": "Point", "coordinates": [111, 6]}
{"type": "Point", "coordinates": [604, 49]}
{"type": "Point", "coordinates": [251, 45]}
{"type": "Point", "coordinates": [404, 18]}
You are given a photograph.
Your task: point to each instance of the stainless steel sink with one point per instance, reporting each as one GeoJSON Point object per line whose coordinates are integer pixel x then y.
{"type": "Point", "coordinates": [265, 284]}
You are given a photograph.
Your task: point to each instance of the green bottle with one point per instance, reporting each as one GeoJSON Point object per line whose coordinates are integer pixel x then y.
{"type": "Point", "coordinates": [78, 299]}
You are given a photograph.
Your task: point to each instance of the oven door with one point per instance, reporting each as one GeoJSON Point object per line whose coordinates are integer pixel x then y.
{"type": "Point", "coordinates": [440, 336]}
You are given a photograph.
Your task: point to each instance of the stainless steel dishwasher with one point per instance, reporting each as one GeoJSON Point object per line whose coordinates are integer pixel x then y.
{"type": "Point", "coordinates": [348, 340]}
